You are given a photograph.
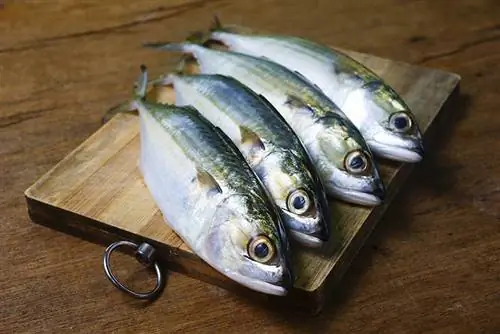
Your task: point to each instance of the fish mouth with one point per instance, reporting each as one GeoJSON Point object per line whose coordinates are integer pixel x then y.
{"type": "Point", "coordinates": [308, 231]}
{"type": "Point", "coordinates": [397, 153]}
{"type": "Point", "coordinates": [374, 198]}
{"type": "Point", "coordinates": [309, 240]}
{"type": "Point", "coordinates": [258, 285]}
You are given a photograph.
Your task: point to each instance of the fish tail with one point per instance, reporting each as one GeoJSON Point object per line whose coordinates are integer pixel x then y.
{"type": "Point", "coordinates": [123, 107]}
{"type": "Point", "coordinates": [141, 84]}
{"type": "Point", "coordinates": [130, 106]}
{"type": "Point", "coordinates": [189, 49]}
{"type": "Point", "coordinates": [184, 47]}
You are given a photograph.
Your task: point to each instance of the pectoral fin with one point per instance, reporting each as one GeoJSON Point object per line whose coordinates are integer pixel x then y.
{"type": "Point", "coordinates": [250, 138]}
{"type": "Point", "coordinates": [207, 182]}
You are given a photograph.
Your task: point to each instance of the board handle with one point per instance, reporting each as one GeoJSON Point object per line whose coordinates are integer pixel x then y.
{"type": "Point", "coordinates": [145, 254]}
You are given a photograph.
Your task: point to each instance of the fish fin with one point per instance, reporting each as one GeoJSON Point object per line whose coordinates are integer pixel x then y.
{"type": "Point", "coordinates": [216, 24]}
{"type": "Point", "coordinates": [248, 137]}
{"type": "Point", "coordinates": [207, 182]}
{"type": "Point", "coordinates": [123, 107]}
{"type": "Point", "coordinates": [140, 88]}
{"type": "Point", "coordinates": [188, 49]}
{"type": "Point", "coordinates": [141, 84]}
{"type": "Point", "coordinates": [168, 46]}
{"type": "Point", "coordinates": [184, 47]}
{"type": "Point", "coordinates": [232, 28]}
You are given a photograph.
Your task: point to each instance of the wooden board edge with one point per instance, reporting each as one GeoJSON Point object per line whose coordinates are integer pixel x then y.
{"type": "Point", "coordinates": [169, 258]}
{"type": "Point", "coordinates": [30, 191]}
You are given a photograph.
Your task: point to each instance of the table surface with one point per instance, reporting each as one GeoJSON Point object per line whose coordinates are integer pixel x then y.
{"type": "Point", "coordinates": [431, 265]}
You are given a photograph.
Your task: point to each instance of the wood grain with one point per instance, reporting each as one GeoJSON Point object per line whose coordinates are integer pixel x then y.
{"type": "Point", "coordinates": [99, 183]}
{"type": "Point", "coordinates": [431, 264]}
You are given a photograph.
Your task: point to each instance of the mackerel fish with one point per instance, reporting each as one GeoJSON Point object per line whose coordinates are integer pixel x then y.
{"type": "Point", "coordinates": [209, 195]}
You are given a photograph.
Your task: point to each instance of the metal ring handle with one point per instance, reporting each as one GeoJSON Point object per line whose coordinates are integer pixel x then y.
{"type": "Point", "coordinates": [145, 255]}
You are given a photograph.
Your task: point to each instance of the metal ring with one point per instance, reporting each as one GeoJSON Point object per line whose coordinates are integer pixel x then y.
{"type": "Point", "coordinates": [145, 261]}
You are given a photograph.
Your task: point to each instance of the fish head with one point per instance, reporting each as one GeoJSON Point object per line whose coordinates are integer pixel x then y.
{"type": "Point", "coordinates": [247, 242]}
{"type": "Point", "coordinates": [299, 195]}
{"type": "Point", "coordinates": [346, 163]}
{"type": "Point", "coordinates": [387, 123]}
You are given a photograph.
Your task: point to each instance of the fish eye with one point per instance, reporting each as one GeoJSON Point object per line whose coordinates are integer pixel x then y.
{"type": "Point", "coordinates": [356, 162]}
{"type": "Point", "coordinates": [298, 202]}
{"type": "Point", "coordinates": [400, 122]}
{"type": "Point", "coordinates": [261, 249]}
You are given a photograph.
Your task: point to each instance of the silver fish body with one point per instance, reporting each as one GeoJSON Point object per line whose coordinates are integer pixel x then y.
{"type": "Point", "coordinates": [269, 145]}
{"type": "Point", "coordinates": [383, 118]}
{"type": "Point", "coordinates": [211, 198]}
{"type": "Point", "coordinates": [337, 149]}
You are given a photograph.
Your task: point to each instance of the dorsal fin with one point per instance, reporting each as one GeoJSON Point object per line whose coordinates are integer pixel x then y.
{"type": "Point", "coordinates": [230, 28]}
{"type": "Point", "coordinates": [216, 24]}
{"type": "Point", "coordinates": [250, 138]}
{"type": "Point", "coordinates": [207, 182]}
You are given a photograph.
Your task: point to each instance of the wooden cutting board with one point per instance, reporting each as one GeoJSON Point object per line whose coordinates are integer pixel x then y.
{"type": "Point", "coordinates": [97, 193]}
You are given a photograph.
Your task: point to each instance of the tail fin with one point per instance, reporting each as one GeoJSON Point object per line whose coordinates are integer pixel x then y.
{"type": "Point", "coordinates": [184, 47]}
{"type": "Point", "coordinates": [188, 48]}
{"type": "Point", "coordinates": [141, 85]}
{"type": "Point", "coordinates": [129, 106]}
{"type": "Point", "coordinates": [123, 107]}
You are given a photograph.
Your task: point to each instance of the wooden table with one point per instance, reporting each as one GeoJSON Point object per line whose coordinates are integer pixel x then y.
{"type": "Point", "coordinates": [432, 264]}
